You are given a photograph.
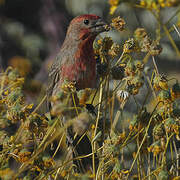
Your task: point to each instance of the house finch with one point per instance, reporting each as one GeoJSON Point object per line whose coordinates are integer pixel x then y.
{"type": "Point", "coordinates": [76, 63]}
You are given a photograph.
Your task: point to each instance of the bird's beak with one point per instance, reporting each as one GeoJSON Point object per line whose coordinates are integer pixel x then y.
{"type": "Point", "coordinates": [100, 26]}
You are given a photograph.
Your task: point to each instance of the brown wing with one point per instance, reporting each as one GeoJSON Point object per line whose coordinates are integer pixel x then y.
{"type": "Point", "coordinates": [53, 78]}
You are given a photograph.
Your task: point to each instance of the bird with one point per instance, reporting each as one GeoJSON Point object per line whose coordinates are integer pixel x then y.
{"type": "Point", "coordinates": [76, 63]}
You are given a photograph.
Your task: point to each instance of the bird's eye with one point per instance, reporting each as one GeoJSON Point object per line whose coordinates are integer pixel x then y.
{"type": "Point", "coordinates": [86, 21]}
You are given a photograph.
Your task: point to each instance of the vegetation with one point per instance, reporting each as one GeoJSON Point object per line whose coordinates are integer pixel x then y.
{"type": "Point", "coordinates": [139, 145]}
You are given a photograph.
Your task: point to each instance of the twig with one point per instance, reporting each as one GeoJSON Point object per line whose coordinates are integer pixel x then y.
{"type": "Point", "coordinates": [177, 158]}
{"type": "Point", "coordinates": [145, 135]}
{"type": "Point", "coordinates": [96, 126]}
{"type": "Point", "coordinates": [155, 65]}
{"type": "Point", "coordinates": [39, 105]}
{"type": "Point", "coordinates": [120, 58]}
{"type": "Point", "coordinates": [171, 40]}
{"type": "Point", "coordinates": [176, 29]}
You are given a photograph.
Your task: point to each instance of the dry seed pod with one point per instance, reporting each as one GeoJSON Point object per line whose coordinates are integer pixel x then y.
{"type": "Point", "coordinates": [130, 46]}
{"type": "Point", "coordinates": [140, 33]}
{"type": "Point", "coordinates": [117, 72]}
{"type": "Point", "coordinates": [155, 49]}
{"type": "Point", "coordinates": [122, 95]}
{"type": "Point", "coordinates": [115, 50]}
{"type": "Point", "coordinates": [118, 23]}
